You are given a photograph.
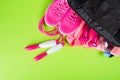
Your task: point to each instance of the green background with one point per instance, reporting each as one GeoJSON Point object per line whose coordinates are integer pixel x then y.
{"type": "Point", "coordinates": [18, 28]}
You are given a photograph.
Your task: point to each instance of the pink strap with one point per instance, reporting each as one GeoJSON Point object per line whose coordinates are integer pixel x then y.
{"type": "Point", "coordinates": [62, 40]}
{"type": "Point", "coordinates": [51, 33]}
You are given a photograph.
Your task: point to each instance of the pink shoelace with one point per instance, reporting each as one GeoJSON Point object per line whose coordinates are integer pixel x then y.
{"type": "Point", "coordinates": [51, 33]}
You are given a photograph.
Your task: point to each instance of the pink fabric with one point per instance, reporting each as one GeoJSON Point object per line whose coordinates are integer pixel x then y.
{"type": "Point", "coordinates": [73, 40]}
{"type": "Point", "coordinates": [116, 51]}
{"type": "Point", "coordinates": [85, 34]}
{"type": "Point", "coordinates": [93, 38]}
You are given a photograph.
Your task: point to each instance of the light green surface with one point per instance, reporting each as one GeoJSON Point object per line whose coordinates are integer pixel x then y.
{"type": "Point", "coordinates": [18, 28]}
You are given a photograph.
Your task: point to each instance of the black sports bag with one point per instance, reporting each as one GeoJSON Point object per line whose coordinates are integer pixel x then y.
{"type": "Point", "coordinates": [101, 15]}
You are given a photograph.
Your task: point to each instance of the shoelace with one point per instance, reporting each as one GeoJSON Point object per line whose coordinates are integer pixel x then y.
{"type": "Point", "coordinates": [51, 33]}
{"type": "Point", "coordinates": [73, 17]}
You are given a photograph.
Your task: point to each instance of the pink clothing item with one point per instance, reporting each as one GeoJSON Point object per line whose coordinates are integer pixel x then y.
{"type": "Point", "coordinates": [100, 45]}
{"type": "Point", "coordinates": [78, 34]}
{"type": "Point", "coordinates": [93, 38]}
{"type": "Point", "coordinates": [84, 37]}
{"type": "Point", "coordinates": [116, 51]}
{"type": "Point", "coordinates": [56, 11]}
{"type": "Point", "coordinates": [69, 23]}
{"type": "Point", "coordinates": [73, 38]}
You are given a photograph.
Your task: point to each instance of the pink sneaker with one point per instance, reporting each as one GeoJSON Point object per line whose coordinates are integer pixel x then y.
{"type": "Point", "coordinates": [56, 11]}
{"type": "Point", "coordinates": [69, 23]}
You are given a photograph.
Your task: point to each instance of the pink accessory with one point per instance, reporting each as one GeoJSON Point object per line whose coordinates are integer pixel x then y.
{"type": "Point", "coordinates": [50, 51]}
{"type": "Point", "coordinates": [55, 44]}
{"type": "Point", "coordinates": [42, 45]}
{"type": "Point", "coordinates": [55, 12]}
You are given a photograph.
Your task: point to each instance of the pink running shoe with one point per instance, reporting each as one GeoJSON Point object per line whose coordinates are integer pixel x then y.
{"type": "Point", "coordinates": [56, 11]}
{"type": "Point", "coordinates": [69, 23]}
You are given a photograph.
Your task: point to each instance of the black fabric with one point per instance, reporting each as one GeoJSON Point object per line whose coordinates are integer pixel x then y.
{"type": "Point", "coordinates": [101, 15]}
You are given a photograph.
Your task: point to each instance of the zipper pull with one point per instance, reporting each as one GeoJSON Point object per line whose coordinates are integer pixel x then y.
{"type": "Point", "coordinates": [50, 51]}
{"type": "Point", "coordinates": [42, 45]}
